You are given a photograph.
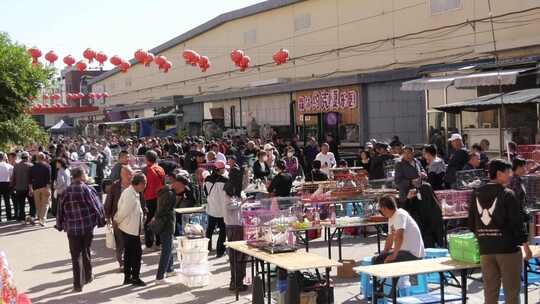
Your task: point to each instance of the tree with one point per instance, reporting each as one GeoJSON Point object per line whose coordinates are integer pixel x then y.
{"type": "Point", "coordinates": [19, 80]}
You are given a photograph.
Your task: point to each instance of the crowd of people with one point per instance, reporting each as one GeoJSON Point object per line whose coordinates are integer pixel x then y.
{"type": "Point", "coordinates": [144, 179]}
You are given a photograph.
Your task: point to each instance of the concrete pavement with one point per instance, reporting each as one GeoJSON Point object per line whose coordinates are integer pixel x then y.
{"type": "Point", "coordinates": [40, 260]}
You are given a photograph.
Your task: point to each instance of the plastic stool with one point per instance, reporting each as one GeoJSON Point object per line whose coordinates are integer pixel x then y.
{"type": "Point", "coordinates": [433, 253]}
{"type": "Point", "coordinates": [366, 287]}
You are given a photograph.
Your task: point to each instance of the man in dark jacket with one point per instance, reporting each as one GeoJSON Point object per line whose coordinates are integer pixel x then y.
{"type": "Point", "coordinates": [236, 176]}
{"type": "Point", "coordinates": [409, 173]}
{"type": "Point", "coordinates": [456, 161]}
{"type": "Point", "coordinates": [496, 218]}
{"type": "Point", "coordinates": [380, 161]}
{"type": "Point", "coordinates": [164, 224]}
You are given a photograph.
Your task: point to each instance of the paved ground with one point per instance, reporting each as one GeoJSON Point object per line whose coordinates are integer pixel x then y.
{"type": "Point", "coordinates": [40, 261]}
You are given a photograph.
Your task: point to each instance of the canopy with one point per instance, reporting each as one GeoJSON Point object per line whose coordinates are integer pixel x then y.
{"type": "Point", "coordinates": [493, 101]}
{"type": "Point", "coordinates": [61, 125]}
{"type": "Point", "coordinates": [506, 77]}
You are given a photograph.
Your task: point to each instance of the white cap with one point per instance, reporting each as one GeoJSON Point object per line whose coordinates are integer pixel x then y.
{"type": "Point", "coordinates": [455, 136]}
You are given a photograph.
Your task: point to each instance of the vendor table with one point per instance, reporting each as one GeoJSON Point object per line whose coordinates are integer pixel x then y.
{"type": "Point", "coordinates": [191, 210]}
{"type": "Point", "coordinates": [395, 270]}
{"type": "Point", "coordinates": [290, 261]}
{"type": "Point", "coordinates": [338, 231]}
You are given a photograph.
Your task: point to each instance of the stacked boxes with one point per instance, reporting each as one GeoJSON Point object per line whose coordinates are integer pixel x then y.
{"type": "Point", "coordinates": [193, 256]}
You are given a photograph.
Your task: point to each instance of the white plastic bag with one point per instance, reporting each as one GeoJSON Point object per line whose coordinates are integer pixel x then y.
{"type": "Point", "coordinates": [109, 237]}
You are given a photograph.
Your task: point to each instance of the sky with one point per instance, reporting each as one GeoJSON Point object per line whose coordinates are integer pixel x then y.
{"type": "Point", "coordinates": [116, 27]}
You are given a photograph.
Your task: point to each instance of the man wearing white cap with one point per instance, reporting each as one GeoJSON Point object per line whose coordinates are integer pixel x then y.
{"type": "Point", "coordinates": [457, 159]}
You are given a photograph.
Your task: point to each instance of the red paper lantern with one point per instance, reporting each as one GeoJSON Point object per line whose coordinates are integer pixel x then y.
{"type": "Point", "coordinates": [98, 95]}
{"type": "Point", "coordinates": [92, 95]}
{"type": "Point", "coordinates": [160, 60]}
{"type": "Point", "coordinates": [106, 95]}
{"type": "Point", "coordinates": [166, 66]}
{"type": "Point", "coordinates": [51, 57]}
{"type": "Point", "coordinates": [56, 96]}
{"type": "Point", "coordinates": [236, 56]}
{"type": "Point", "coordinates": [149, 58]}
{"type": "Point", "coordinates": [89, 54]}
{"type": "Point", "coordinates": [81, 95]}
{"type": "Point", "coordinates": [35, 53]}
{"type": "Point", "coordinates": [140, 55]}
{"type": "Point", "coordinates": [204, 63]}
{"type": "Point", "coordinates": [116, 60]}
{"type": "Point", "coordinates": [81, 66]}
{"type": "Point", "coordinates": [191, 57]}
{"type": "Point", "coordinates": [244, 63]}
{"type": "Point", "coordinates": [124, 66]}
{"type": "Point", "coordinates": [69, 60]}
{"type": "Point", "coordinates": [281, 56]}
{"type": "Point", "coordinates": [101, 58]}
{"type": "Point", "coordinates": [69, 96]}
{"type": "Point", "coordinates": [45, 96]}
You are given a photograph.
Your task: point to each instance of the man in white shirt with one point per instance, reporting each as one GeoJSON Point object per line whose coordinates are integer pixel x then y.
{"type": "Point", "coordinates": [327, 158]}
{"type": "Point", "coordinates": [6, 172]}
{"type": "Point", "coordinates": [404, 242]}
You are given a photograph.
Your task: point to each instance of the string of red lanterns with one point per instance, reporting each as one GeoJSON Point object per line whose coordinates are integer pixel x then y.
{"type": "Point", "coordinates": [191, 57]}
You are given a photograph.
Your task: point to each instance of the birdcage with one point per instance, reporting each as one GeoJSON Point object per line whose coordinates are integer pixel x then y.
{"type": "Point", "coordinates": [269, 223]}
{"type": "Point", "coordinates": [529, 152]}
{"type": "Point", "coordinates": [531, 183]}
{"type": "Point", "coordinates": [470, 179]}
{"type": "Point", "coordinates": [454, 202]}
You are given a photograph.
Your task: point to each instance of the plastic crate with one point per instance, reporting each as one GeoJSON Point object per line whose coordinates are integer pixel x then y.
{"type": "Point", "coordinates": [193, 269]}
{"type": "Point", "coordinates": [195, 256]}
{"type": "Point", "coordinates": [194, 280]}
{"type": "Point", "coordinates": [192, 244]}
{"type": "Point", "coordinates": [464, 248]}
{"type": "Point", "coordinates": [433, 253]}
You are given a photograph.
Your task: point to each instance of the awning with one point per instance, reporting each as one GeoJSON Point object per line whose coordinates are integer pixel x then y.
{"type": "Point", "coordinates": [493, 101]}
{"type": "Point", "coordinates": [506, 77]}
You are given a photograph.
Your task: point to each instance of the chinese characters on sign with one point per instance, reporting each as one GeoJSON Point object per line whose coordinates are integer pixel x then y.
{"type": "Point", "coordinates": [328, 100]}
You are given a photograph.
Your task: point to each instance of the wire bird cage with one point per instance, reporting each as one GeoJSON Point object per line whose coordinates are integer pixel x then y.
{"type": "Point", "coordinates": [454, 202]}
{"type": "Point", "coordinates": [529, 152]}
{"type": "Point", "coordinates": [268, 223]}
{"type": "Point", "coordinates": [531, 183]}
{"type": "Point", "coordinates": [469, 179]}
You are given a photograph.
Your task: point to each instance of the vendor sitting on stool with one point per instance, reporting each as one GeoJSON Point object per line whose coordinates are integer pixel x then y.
{"type": "Point", "coordinates": [404, 242]}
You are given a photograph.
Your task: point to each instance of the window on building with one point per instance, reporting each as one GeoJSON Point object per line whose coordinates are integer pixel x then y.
{"type": "Point", "coordinates": [302, 22]}
{"type": "Point", "coordinates": [441, 6]}
{"type": "Point", "coordinates": [233, 117]}
{"type": "Point", "coordinates": [250, 36]}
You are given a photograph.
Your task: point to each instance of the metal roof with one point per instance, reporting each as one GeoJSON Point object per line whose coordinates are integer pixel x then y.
{"type": "Point", "coordinates": [213, 23]}
{"type": "Point", "coordinates": [493, 101]}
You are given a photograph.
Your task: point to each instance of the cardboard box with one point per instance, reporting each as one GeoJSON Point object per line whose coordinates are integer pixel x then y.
{"type": "Point", "coordinates": [346, 271]}
{"type": "Point", "coordinates": [308, 298]}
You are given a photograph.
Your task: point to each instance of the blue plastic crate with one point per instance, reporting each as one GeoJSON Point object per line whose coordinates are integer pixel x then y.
{"type": "Point", "coordinates": [433, 253]}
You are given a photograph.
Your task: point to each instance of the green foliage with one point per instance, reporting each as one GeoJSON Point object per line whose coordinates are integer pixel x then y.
{"type": "Point", "coordinates": [19, 80]}
{"type": "Point", "coordinates": [21, 131]}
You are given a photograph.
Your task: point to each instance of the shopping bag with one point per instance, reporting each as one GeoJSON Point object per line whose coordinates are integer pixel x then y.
{"type": "Point", "coordinates": [109, 237]}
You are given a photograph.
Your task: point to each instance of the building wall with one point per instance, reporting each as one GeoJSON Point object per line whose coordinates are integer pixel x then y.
{"type": "Point", "coordinates": [316, 26]}
{"type": "Point", "coordinates": [395, 112]}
